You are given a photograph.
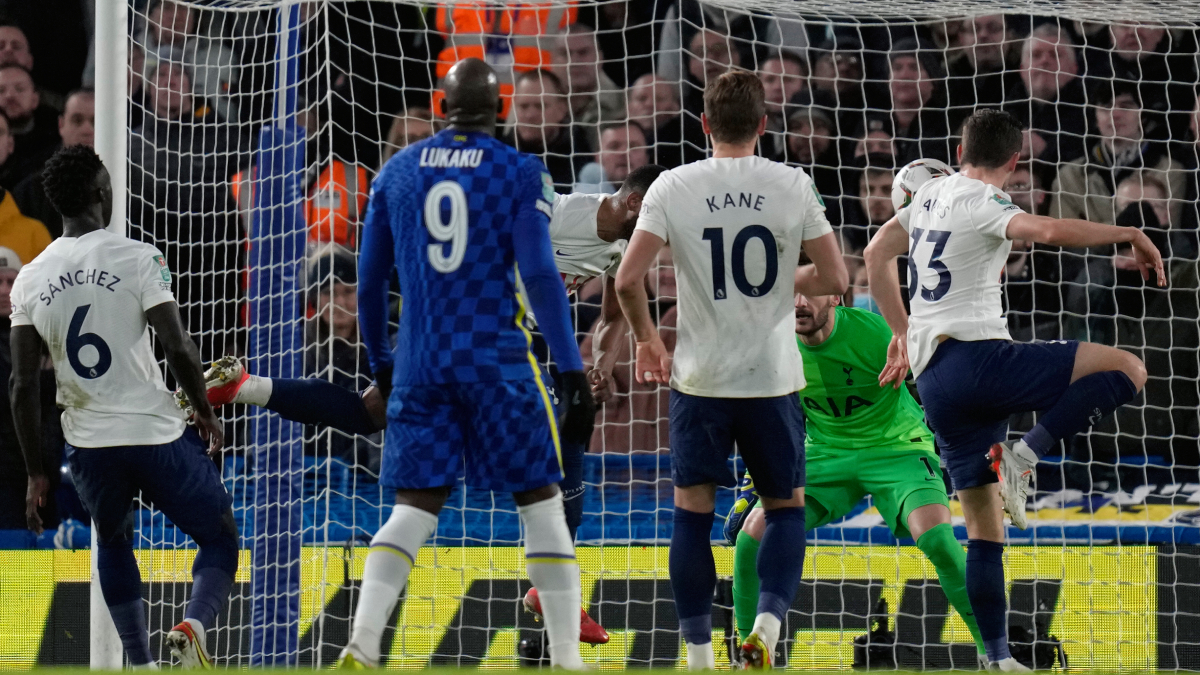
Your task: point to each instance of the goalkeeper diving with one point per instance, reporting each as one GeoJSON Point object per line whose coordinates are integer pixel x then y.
{"type": "Point", "coordinates": [861, 439]}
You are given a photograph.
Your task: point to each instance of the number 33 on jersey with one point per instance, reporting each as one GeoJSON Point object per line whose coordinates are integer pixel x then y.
{"type": "Point", "coordinates": [957, 249]}
{"type": "Point", "coordinates": [735, 227]}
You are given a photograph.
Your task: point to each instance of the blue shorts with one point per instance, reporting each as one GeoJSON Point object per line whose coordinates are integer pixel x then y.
{"type": "Point", "coordinates": [504, 432]}
{"type": "Point", "coordinates": [768, 433]}
{"type": "Point", "coordinates": [178, 478]}
{"type": "Point", "coordinates": [970, 389]}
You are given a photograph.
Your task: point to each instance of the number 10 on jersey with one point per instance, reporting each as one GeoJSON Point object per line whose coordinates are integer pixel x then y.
{"type": "Point", "coordinates": [715, 236]}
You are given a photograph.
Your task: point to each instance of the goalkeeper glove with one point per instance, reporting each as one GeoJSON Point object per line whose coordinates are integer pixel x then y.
{"type": "Point", "coordinates": [580, 408]}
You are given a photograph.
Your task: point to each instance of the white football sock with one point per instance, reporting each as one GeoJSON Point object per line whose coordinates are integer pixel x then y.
{"type": "Point", "coordinates": [766, 626]}
{"type": "Point", "coordinates": [550, 562]}
{"type": "Point", "coordinates": [701, 657]}
{"type": "Point", "coordinates": [256, 390]}
{"type": "Point", "coordinates": [393, 551]}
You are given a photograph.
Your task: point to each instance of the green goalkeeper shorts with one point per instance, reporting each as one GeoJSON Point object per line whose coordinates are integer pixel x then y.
{"type": "Point", "coordinates": [899, 479]}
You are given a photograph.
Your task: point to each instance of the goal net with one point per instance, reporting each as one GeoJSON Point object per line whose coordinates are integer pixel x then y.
{"type": "Point", "coordinates": [256, 128]}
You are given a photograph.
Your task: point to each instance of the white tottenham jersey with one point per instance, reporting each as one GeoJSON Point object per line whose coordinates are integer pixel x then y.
{"type": "Point", "coordinates": [87, 297]}
{"type": "Point", "coordinates": [579, 253]}
{"type": "Point", "coordinates": [957, 249]}
{"type": "Point", "coordinates": [735, 227]}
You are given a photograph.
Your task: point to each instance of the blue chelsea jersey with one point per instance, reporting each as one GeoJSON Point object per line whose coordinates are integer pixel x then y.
{"type": "Point", "coordinates": [452, 202]}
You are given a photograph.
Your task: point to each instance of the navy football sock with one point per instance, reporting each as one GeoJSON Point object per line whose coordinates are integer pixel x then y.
{"type": "Point", "coordinates": [313, 401]}
{"type": "Point", "coordinates": [985, 589]}
{"type": "Point", "coordinates": [693, 574]}
{"type": "Point", "coordinates": [1085, 402]}
{"type": "Point", "coordinates": [572, 485]}
{"type": "Point", "coordinates": [121, 584]}
{"type": "Point", "coordinates": [781, 560]}
{"type": "Point", "coordinates": [212, 573]}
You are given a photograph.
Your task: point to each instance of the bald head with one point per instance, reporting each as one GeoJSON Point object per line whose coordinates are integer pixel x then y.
{"type": "Point", "coordinates": [472, 94]}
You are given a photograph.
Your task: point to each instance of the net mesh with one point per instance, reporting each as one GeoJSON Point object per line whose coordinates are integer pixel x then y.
{"type": "Point", "coordinates": [855, 90]}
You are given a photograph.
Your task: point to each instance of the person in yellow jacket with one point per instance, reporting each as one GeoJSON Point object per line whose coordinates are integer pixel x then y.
{"type": "Point", "coordinates": [25, 236]}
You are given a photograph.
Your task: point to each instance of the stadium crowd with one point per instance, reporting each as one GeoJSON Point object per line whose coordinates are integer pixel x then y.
{"type": "Point", "coordinates": [598, 90]}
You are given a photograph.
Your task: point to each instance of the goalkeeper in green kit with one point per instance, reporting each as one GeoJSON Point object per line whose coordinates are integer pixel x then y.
{"type": "Point", "coordinates": [861, 440]}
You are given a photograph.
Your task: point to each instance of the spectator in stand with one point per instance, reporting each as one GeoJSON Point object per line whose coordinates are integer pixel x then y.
{"type": "Point", "coordinates": [30, 122]}
{"type": "Point", "coordinates": [622, 149]}
{"type": "Point", "coordinates": [877, 136]}
{"type": "Point", "coordinates": [26, 236]}
{"type": "Point", "coordinates": [976, 76]}
{"type": "Point", "coordinates": [594, 98]}
{"type": "Point", "coordinates": [13, 479]}
{"type": "Point", "coordinates": [1032, 275]}
{"type": "Point", "coordinates": [170, 33]}
{"type": "Point", "coordinates": [782, 76]}
{"type": "Point", "coordinates": [541, 126]}
{"type": "Point", "coordinates": [76, 126]}
{"type": "Point", "coordinates": [14, 50]}
{"type": "Point", "coordinates": [871, 205]}
{"type": "Point", "coordinates": [1049, 96]}
{"type": "Point", "coordinates": [918, 105]}
{"type": "Point", "coordinates": [837, 82]}
{"type": "Point", "coordinates": [811, 145]}
{"type": "Point", "coordinates": [709, 55]}
{"type": "Point", "coordinates": [136, 80]}
{"type": "Point", "coordinates": [1085, 187]}
{"type": "Point", "coordinates": [1186, 237]}
{"type": "Point", "coordinates": [411, 125]}
{"type": "Point", "coordinates": [1160, 62]}
{"type": "Point", "coordinates": [9, 177]}
{"type": "Point", "coordinates": [654, 106]}
{"type": "Point", "coordinates": [180, 164]}
{"type": "Point", "coordinates": [334, 352]}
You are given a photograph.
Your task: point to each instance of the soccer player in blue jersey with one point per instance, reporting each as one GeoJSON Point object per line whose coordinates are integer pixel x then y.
{"type": "Point", "coordinates": [463, 219]}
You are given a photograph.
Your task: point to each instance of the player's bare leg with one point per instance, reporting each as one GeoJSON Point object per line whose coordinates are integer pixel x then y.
{"type": "Point", "coordinates": [553, 570]}
{"type": "Point", "coordinates": [1103, 379]}
{"type": "Point", "coordinates": [393, 552]}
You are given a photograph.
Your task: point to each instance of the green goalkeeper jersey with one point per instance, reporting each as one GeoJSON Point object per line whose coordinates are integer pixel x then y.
{"type": "Point", "coordinates": [844, 406]}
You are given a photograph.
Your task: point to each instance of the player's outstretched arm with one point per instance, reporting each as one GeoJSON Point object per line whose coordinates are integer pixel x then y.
{"type": "Point", "coordinates": [610, 330]}
{"type": "Point", "coordinates": [827, 274]}
{"type": "Point", "coordinates": [184, 361]}
{"type": "Point", "coordinates": [1084, 233]}
{"type": "Point", "coordinates": [884, 281]}
{"type": "Point", "coordinates": [24, 390]}
{"type": "Point", "coordinates": [376, 259]}
{"type": "Point", "coordinates": [544, 286]}
{"type": "Point", "coordinates": [653, 362]}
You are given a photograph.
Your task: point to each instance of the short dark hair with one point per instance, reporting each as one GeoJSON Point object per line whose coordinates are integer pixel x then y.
{"type": "Point", "coordinates": [67, 179]}
{"type": "Point", "coordinates": [734, 107]}
{"type": "Point", "coordinates": [543, 76]}
{"type": "Point", "coordinates": [789, 55]}
{"type": "Point", "coordinates": [990, 138]}
{"type": "Point", "coordinates": [640, 179]}
{"type": "Point", "coordinates": [21, 68]}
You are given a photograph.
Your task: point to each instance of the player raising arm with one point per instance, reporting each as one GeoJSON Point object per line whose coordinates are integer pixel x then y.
{"type": "Point", "coordinates": [736, 224]}
{"type": "Point", "coordinates": [90, 296]}
{"type": "Point", "coordinates": [970, 374]}
{"type": "Point", "coordinates": [457, 215]}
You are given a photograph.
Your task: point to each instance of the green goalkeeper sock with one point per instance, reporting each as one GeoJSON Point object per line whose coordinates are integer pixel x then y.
{"type": "Point", "coordinates": [948, 558]}
{"type": "Point", "coordinates": [745, 583]}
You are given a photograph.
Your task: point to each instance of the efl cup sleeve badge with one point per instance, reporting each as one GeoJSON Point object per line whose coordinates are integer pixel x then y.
{"type": "Point", "coordinates": [162, 268]}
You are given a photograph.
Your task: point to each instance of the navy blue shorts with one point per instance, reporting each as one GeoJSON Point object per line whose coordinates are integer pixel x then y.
{"type": "Point", "coordinates": [768, 432]}
{"type": "Point", "coordinates": [177, 478]}
{"type": "Point", "coordinates": [970, 389]}
{"type": "Point", "coordinates": [504, 432]}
